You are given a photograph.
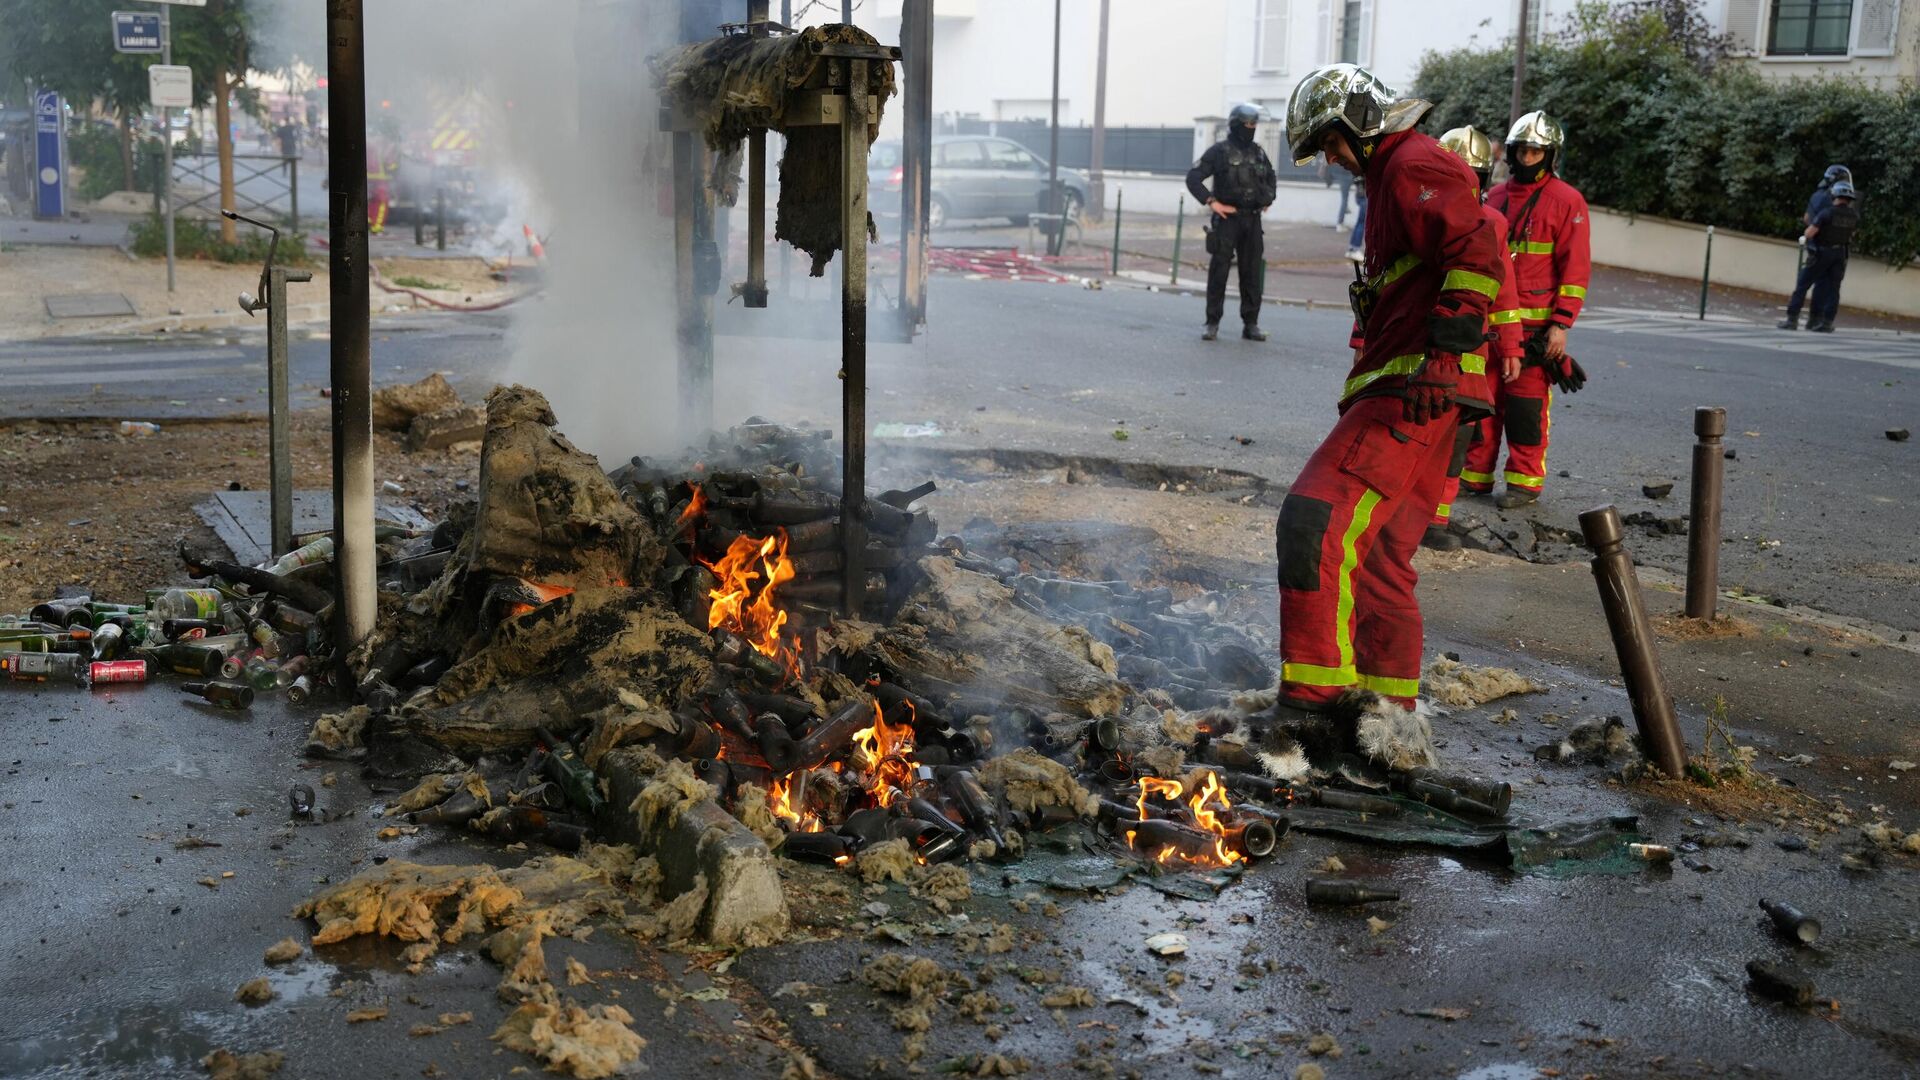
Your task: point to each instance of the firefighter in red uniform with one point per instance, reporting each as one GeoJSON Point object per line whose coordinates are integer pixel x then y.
{"type": "Point", "coordinates": [1504, 348]}
{"type": "Point", "coordinates": [1351, 522]}
{"type": "Point", "coordinates": [383, 161]}
{"type": "Point", "coordinates": [1547, 234]}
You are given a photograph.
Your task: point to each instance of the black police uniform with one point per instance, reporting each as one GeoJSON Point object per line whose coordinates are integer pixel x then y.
{"type": "Point", "coordinates": [1243, 178]}
{"type": "Point", "coordinates": [1826, 264]}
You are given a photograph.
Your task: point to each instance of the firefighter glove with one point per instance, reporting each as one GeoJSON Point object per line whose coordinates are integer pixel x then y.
{"type": "Point", "coordinates": [1567, 374]}
{"type": "Point", "coordinates": [1430, 391]}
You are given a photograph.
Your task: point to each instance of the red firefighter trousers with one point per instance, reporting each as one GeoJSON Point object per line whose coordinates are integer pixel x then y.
{"type": "Point", "coordinates": [1347, 533]}
{"type": "Point", "coordinates": [1523, 413]}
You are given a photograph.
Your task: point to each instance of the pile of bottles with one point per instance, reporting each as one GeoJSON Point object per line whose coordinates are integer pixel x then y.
{"type": "Point", "coordinates": [228, 643]}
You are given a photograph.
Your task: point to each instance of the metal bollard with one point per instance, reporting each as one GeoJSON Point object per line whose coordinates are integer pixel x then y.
{"type": "Point", "coordinates": [1706, 271]}
{"type": "Point", "coordinates": [1633, 640]}
{"type": "Point", "coordinates": [440, 219]}
{"type": "Point", "coordinates": [1118, 194]}
{"type": "Point", "coordinates": [1703, 527]}
{"type": "Point", "coordinates": [1179, 226]}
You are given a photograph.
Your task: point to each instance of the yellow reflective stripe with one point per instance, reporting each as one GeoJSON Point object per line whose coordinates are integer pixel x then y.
{"type": "Point", "coordinates": [1399, 365]}
{"type": "Point", "coordinates": [1443, 511]}
{"type": "Point", "coordinates": [1533, 312]}
{"type": "Point", "coordinates": [1472, 477]}
{"type": "Point", "coordinates": [1531, 247]}
{"type": "Point", "coordinates": [1314, 675]}
{"type": "Point", "coordinates": [1391, 687]}
{"type": "Point", "coordinates": [1467, 279]}
{"type": "Point", "coordinates": [1574, 290]}
{"type": "Point", "coordinates": [1350, 558]}
{"type": "Point", "coordinates": [1398, 270]}
{"type": "Point", "coordinates": [1531, 483]}
{"type": "Point", "coordinates": [1473, 365]}
{"type": "Point", "coordinates": [1501, 318]}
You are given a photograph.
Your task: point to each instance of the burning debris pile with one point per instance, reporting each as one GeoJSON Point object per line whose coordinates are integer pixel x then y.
{"type": "Point", "coordinates": [663, 644]}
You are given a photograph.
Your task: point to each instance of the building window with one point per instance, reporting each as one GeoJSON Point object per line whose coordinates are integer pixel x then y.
{"type": "Point", "coordinates": [1810, 28]}
{"type": "Point", "coordinates": [1270, 35]}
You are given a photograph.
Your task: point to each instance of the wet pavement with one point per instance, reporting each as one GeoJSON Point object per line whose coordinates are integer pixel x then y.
{"type": "Point", "coordinates": [118, 962]}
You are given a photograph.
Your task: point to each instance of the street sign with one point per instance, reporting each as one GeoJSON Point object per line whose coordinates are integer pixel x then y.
{"type": "Point", "coordinates": [171, 86]}
{"type": "Point", "coordinates": [136, 32]}
{"type": "Point", "coordinates": [49, 157]}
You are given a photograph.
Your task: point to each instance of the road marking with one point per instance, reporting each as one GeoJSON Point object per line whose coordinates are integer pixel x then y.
{"type": "Point", "coordinates": [1874, 349]}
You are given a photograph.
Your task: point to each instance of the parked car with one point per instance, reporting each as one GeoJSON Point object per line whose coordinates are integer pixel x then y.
{"type": "Point", "coordinates": [974, 176]}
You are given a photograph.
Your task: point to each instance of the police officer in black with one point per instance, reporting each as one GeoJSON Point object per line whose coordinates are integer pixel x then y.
{"type": "Point", "coordinates": [1829, 232]}
{"type": "Point", "coordinates": [1243, 185]}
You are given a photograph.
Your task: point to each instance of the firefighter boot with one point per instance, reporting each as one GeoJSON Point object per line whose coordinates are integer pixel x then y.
{"type": "Point", "coordinates": [1211, 332]}
{"type": "Point", "coordinates": [1440, 538]}
{"type": "Point", "coordinates": [1252, 332]}
{"type": "Point", "coordinates": [1513, 498]}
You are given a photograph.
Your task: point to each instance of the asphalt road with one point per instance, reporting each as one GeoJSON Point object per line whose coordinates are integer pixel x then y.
{"type": "Point", "coordinates": [1819, 503]}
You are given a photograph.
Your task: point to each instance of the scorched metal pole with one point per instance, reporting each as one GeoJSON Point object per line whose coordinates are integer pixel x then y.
{"type": "Point", "coordinates": [853, 336]}
{"type": "Point", "coordinates": [351, 332]}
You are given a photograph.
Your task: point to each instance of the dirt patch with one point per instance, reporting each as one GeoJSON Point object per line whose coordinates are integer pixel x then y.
{"type": "Point", "coordinates": [1738, 801]}
{"type": "Point", "coordinates": [1677, 627]}
{"type": "Point", "coordinates": [82, 504]}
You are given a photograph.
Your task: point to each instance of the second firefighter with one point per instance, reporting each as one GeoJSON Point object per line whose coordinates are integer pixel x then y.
{"type": "Point", "coordinates": [1242, 187]}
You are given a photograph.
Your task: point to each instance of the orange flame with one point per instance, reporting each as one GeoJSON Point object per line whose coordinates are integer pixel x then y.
{"type": "Point", "coordinates": [1206, 818]}
{"type": "Point", "coordinates": [695, 506]}
{"type": "Point", "coordinates": [546, 593]}
{"type": "Point", "coordinates": [780, 801]}
{"type": "Point", "coordinates": [884, 751]}
{"type": "Point", "coordinates": [750, 611]}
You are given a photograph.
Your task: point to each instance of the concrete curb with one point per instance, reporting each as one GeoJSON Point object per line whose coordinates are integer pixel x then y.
{"type": "Point", "coordinates": [744, 897]}
{"type": "Point", "coordinates": [297, 314]}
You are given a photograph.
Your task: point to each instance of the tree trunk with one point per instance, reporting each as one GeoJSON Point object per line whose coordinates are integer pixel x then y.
{"type": "Point", "coordinates": [126, 151]}
{"type": "Point", "coordinates": [223, 119]}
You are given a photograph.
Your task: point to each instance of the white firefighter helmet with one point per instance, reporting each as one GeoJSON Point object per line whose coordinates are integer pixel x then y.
{"type": "Point", "coordinates": [1470, 146]}
{"type": "Point", "coordinates": [1350, 98]}
{"type": "Point", "coordinates": [1537, 129]}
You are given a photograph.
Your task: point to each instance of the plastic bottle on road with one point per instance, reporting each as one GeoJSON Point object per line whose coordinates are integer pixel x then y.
{"type": "Point", "coordinates": [317, 551]}
{"type": "Point", "coordinates": [185, 604]}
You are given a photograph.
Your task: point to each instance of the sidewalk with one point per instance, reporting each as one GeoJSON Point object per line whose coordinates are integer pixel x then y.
{"type": "Point", "coordinates": [207, 293]}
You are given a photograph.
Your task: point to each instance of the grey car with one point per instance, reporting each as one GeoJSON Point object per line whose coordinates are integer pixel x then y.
{"type": "Point", "coordinates": [974, 176]}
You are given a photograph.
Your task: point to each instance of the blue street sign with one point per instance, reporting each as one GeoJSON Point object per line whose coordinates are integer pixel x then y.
{"type": "Point", "coordinates": [136, 32]}
{"type": "Point", "coordinates": [49, 157]}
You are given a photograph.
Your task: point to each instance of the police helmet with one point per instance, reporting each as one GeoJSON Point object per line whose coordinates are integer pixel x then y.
{"type": "Point", "coordinates": [1244, 114]}
{"type": "Point", "coordinates": [1837, 172]}
{"type": "Point", "coordinates": [1348, 98]}
{"type": "Point", "coordinates": [1844, 190]}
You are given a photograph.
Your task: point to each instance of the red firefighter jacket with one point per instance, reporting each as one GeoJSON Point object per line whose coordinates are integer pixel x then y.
{"type": "Point", "coordinates": [1550, 246]}
{"type": "Point", "coordinates": [1436, 264]}
{"type": "Point", "coordinates": [1504, 319]}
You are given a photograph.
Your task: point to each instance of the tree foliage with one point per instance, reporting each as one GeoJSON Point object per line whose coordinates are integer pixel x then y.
{"type": "Point", "coordinates": [1657, 124]}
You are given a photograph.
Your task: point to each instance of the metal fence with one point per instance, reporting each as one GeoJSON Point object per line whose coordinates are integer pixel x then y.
{"type": "Point", "coordinates": [1149, 150]}
{"type": "Point", "coordinates": [1168, 151]}
{"type": "Point", "coordinates": [264, 185]}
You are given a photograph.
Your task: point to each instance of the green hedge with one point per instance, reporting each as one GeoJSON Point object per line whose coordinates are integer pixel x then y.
{"type": "Point", "coordinates": [1655, 128]}
{"type": "Point", "coordinates": [197, 239]}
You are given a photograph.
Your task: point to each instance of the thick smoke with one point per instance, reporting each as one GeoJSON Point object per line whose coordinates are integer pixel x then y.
{"type": "Point", "coordinates": [570, 150]}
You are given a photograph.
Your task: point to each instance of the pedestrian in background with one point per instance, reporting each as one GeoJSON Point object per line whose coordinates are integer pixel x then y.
{"type": "Point", "coordinates": [1356, 240]}
{"type": "Point", "coordinates": [1243, 186]}
{"type": "Point", "coordinates": [1327, 175]}
{"type": "Point", "coordinates": [1826, 238]}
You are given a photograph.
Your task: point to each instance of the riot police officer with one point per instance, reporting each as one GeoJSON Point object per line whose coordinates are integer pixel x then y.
{"type": "Point", "coordinates": [1242, 181]}
{"type": "Point", "coordinates": [1828, 235]}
